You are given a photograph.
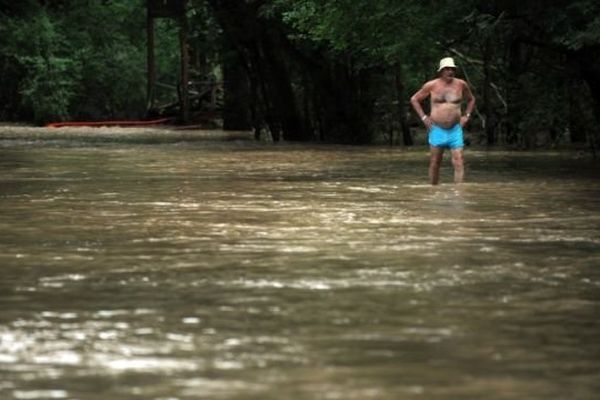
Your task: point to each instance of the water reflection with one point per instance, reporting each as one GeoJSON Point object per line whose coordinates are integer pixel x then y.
{"type": "Point", "coordinates": [246, 271]}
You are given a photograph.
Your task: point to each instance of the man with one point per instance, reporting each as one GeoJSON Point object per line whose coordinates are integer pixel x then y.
{"type": "Point", "coordinates": [446, 120]}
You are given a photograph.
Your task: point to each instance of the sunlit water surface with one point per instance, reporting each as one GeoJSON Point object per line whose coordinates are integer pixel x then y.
{"type": "Point", "coordinates": [259, 271]}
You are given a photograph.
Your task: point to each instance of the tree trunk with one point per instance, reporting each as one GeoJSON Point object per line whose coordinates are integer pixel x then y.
{"type": "Point", "coordinates": [264, 41]}
{"type": "Point", "coordinates": [339, 94]}
{"type": "Point", "coordinates": [346, 108]}
{"type": "Point", "coordinates": [279, 85]}
{"type": "Point", "coordinates": [236, 102]}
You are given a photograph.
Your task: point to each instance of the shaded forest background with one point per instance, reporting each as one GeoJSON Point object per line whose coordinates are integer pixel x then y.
{"type": "Point", "coordinates": [313, 70]}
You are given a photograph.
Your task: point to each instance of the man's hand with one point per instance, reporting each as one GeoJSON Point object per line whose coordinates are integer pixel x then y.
{"type": "Point", "coordinates": [428, 123]}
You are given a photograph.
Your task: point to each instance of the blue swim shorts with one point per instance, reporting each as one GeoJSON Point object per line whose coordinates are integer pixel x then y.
{"type": "Point", "coordinates": [451, 138]}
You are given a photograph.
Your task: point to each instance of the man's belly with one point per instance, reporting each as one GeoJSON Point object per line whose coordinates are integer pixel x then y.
{"type": "Point", "coordinates": [445, 115]}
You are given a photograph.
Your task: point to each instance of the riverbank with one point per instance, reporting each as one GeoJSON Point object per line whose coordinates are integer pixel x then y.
{"type": "Point", "coordinates": [146, 134]}
{"type": "Point", "coordinates": [19, 134]}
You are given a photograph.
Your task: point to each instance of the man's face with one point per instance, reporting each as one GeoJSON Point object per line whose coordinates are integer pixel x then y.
{"type": "Point", "coordinates": [448, 73]}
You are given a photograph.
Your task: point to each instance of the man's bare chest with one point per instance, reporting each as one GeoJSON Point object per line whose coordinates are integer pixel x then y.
{"type": "Point", "coordinates": [447, 94]}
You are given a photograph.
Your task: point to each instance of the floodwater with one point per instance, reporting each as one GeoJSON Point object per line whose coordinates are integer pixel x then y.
{"type": "Point", "coordinates": [258, 271]}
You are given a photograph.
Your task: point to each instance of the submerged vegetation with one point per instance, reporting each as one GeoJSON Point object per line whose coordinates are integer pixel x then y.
{"type": "Point", "coordinates": [306, 70]}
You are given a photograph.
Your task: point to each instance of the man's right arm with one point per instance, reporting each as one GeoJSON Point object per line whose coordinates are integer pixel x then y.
{"type": "Point", "coordinates": [416, 100]}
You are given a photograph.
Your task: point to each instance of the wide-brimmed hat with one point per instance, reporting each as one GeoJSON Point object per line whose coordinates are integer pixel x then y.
{"type": "Point", "coordinates": [447, 62]}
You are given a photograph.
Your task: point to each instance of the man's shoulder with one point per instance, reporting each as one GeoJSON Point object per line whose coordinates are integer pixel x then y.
{"type": "Point", "coordinates": [432, 83]}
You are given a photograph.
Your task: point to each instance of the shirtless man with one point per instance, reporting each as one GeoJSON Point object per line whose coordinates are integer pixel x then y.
{"type": "Point", "coordinates": [446, 120]}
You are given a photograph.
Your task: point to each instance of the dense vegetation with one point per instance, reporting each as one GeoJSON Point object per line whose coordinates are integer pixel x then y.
{"type": "Point", "coordinates": [330, 70]}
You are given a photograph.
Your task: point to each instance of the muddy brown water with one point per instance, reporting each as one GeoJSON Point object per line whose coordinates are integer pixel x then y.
{"type": "Point", "coordinates": [242, 270]}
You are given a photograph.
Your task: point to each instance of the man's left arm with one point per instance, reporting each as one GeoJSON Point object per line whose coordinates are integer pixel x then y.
{"type": "Point", "coordinates": [470, 104]}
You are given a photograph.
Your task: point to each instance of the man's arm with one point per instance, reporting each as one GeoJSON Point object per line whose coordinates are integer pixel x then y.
{"type": "Point", "coordinates": [470, 104]}
{"type": "Point", "coordinates": [416, 100]}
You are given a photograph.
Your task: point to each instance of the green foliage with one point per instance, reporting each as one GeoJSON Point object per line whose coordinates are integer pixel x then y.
{"type": "Point", "coordinates": [110, 38]}
{"type": "Point", "coordinates": [51, 76]}
{"type": "Point", "coordinates": [79, 59]}
{"type": "Point", "coordinates": [528, 52]}
{"type": "Point", "coordinates": [352, 61]}
{"type": "Point", "coordinates": [576, 25]}
{"type": "Point", "coordinates": [370, 32]}
{"type": "Point", "coordinates": [49, 87]}
{"type": "Point", "coordinates": [364, 46]}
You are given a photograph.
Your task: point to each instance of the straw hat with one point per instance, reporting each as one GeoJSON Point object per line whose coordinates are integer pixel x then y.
{"type": "Point", "coordinates": [447, 62]}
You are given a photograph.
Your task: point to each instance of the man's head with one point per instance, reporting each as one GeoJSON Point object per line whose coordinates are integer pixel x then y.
{"type": "Point", "coordinates": [447, 68]}
{"type": "Point", "coordinates": [447, 62]}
